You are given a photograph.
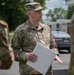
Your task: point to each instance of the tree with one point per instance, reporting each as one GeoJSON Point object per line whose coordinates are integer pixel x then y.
{"type": "Point", "coordinates": [42, 2]}
{"type": "Point", "coordinates": [70, 12]}
{"type": "Point", "coordinates": [13, 11]}
{"type": "Point", "coordinates": [57, 13]}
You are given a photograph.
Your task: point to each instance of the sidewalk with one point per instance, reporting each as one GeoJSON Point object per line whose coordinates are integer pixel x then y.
{"type": "Point", "coordinates": [15, 71]}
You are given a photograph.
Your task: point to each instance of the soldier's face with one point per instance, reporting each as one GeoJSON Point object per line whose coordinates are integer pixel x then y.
{"type": "Point", "coordinates": [36, 15]}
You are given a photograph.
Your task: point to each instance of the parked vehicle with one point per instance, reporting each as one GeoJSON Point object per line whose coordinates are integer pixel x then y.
{"type": "Point", "coordinates": [62, 40]}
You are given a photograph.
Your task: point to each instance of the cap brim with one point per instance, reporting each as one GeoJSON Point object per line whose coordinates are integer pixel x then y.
{"type": "Point", "coordinates": [39, 8]}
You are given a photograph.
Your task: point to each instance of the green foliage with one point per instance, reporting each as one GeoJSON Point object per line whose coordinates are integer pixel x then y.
{"type": "Point", "coordinates": [42, 21]}
{"type": "Point", "coordinates": [57, 13]}
{"type": "Point", "coordinates": [70, 12]}
{"type": "Point", "coordinates": [13, 11]}
{"type": "Point", "coordinates": [11, 36]}
{"type": "Point", "coordinates": [42, 2]}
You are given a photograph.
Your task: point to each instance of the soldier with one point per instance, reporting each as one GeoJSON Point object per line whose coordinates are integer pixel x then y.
{"type": "Point", "coordinates": [6, 52]}
{"type": "Point", "coordinates": [27, 35]}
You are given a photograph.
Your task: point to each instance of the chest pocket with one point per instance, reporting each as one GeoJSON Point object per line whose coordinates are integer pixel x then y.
{"type": "Point", "coordinates": [28, 41]}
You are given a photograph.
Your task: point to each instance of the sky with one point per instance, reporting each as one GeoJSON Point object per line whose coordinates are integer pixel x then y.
{"type": "Point", "coordinates": [54, 4]}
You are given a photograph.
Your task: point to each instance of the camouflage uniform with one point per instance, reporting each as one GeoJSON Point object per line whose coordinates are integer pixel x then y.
{"type": "Point", "coordinates": [24, 40]}
{"type": "Point", "coordinates": [6, 52]}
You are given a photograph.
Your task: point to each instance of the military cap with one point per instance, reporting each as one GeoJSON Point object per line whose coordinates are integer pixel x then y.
{"type": "Point", "coordinates": [3, 23]}
{"type": "Point", "coordinates": [35, 6]}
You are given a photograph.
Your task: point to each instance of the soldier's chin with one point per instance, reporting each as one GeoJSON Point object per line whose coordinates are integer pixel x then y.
{"type": "Point", "coordinates": [40, 19]}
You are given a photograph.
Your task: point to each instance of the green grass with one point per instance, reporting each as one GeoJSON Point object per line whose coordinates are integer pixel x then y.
{"type": "Point", "coordinates": [11, 35]}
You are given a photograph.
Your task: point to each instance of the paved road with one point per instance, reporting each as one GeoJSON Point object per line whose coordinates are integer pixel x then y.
{"type": "Point", "coordinates": [62, 69]}
{"type": "Point", "coordinates": [66, 60]}
{"type": "Point", "coordinates": [56, 66]}
{"type": "Point", "coordinates": [13, 71]}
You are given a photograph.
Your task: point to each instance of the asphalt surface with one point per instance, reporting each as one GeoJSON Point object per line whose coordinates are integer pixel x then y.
{"type": "Point", "coordinates": [61, 69]}
{"type": "Point", "coordinates": [60, 72]}
{"type": "Point", "coordinates": [13, 71]}
{"type": "Point", "coordinates": [58, 69]}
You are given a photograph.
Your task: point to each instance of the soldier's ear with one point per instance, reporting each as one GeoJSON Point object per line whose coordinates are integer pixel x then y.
{"type": "Point", "coordinates": [29, 13]}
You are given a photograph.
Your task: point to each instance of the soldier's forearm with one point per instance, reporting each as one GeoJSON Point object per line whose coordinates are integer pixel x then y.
{"type": "Point", "coordinates": [19, 56]}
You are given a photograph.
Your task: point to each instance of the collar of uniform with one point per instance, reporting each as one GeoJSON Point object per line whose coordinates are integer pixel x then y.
{"type": "Point", "coordinates": [40, 27]}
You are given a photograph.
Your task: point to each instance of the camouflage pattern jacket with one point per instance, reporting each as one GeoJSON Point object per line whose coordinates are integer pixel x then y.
{"type": "Point", "coordinates": [25, 38]}
{"type": "Point", "coordinates": [6, 52]}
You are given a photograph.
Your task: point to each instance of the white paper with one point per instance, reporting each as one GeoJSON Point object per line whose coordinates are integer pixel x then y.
{"type": "Point", "coordinates": [45, 58]}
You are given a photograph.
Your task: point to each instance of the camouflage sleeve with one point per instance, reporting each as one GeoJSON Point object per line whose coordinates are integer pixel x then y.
{"type": "Point", "coordinates": [17, 46]}
{"type": "Point", "coordinates": [53, 45]}
{"type": "Point", "coordinates": [3, 36]}
{"type": "Point", "coordinates": [52, 42]}
{"type": "Point", "coordinates": [4, 42]}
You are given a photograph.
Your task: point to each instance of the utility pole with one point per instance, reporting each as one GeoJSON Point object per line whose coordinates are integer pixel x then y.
{"type": "Point", "coordinates": [71, 67]}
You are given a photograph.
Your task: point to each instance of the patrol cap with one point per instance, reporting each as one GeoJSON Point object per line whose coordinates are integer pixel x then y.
{"type": "Point", "coordinates": [35, 6]}
{"type": "Point", "coordinates": [3, 23]}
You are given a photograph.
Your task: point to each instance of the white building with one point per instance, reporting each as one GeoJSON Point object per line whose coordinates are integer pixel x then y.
{"type": "Point", "coordinates": [61, 25]}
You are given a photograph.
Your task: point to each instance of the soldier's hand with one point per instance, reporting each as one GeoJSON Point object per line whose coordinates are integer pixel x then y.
{"type": "Point", "coordinates": [0, 63]}
{"type": "Point", "coordinates": [31, 57]}
{"type": "Point", "coordinates": [58, 59]}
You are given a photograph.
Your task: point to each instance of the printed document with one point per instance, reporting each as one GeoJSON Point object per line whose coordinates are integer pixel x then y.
{"type": "Point", "coordinates": [45, 58]}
